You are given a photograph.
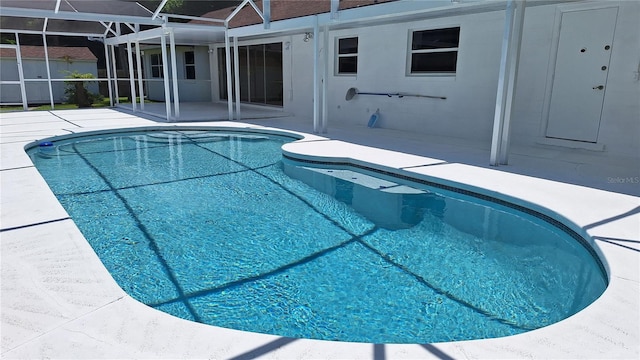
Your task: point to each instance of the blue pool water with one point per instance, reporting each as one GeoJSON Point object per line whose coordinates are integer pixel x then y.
{"type": "Point", "coordinates": [217, 227]}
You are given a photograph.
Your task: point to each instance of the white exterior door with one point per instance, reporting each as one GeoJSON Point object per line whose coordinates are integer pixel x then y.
{"type": "Point", "coordinates": [580, 74]}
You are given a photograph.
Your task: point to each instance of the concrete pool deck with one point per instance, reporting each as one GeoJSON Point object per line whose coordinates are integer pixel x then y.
{"type": "Point", "coordinates": [58, 301]}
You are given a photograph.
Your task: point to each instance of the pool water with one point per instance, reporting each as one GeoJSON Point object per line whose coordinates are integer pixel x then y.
{"type": "Point", "coordinates": [217, 228]}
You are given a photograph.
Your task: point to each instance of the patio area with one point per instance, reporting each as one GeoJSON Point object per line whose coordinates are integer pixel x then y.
{"type": "Point", "coordinates": [204, 111]}
{"type": "Point", "coordinates": [58, 300]}
{"type": "Point", "coordinates": [578, 167]}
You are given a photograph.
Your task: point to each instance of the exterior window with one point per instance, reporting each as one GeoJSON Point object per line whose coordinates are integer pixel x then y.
{"type": "Point", "coordinates": [347, 58]}
{"type": "Point", "coordinates": [156, 66]}
{"type": "Point", "coordinates": [434, 51]}
{"type": "Point", "coordinates": [189, 65]}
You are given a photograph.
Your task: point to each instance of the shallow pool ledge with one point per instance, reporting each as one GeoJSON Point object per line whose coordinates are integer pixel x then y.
{"type": "Point", "coordinates": [608, 328]}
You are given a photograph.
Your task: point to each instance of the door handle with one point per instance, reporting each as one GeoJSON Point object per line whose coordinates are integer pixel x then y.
{"type": "Point", "coordinates": [599, 87]}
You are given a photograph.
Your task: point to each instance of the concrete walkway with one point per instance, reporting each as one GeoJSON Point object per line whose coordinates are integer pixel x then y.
{"type": "Point", "coordinates": [58, 301]}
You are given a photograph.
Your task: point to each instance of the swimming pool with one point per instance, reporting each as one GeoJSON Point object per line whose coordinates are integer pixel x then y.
{"type": "Point", "coordinates": [243, 245]}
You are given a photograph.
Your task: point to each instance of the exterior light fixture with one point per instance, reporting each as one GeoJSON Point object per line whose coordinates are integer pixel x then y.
{"type": "Point", "coordinates": [307, 36]}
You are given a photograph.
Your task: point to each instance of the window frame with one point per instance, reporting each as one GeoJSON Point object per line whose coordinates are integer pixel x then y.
{"type": "Point", "coordinates": [187, 65]}
{"type": "Point", "coordinates": [157, 66]}
{"type": "Point", "coordinates": [338, 56]}
{"type": "Point", "coordinates": [411, 52]}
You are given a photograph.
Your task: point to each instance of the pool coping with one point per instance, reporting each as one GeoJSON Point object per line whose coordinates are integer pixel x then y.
{"type": "Point", "coordinates": [72, 315]}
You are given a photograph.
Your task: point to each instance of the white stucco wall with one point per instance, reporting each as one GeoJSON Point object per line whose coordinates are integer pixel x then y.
{"type": "Point", "coordinates": [620, 122]}
{"type": "Point", "coordinates": [469, 109]}
{"type": "Point", "coordinates": [382, 59]}
{"type": "Point", "coordinates": [190, 90]}
{"type": "Point", "coordinates": [382, 56]}
{"type": "Point", "coordinates": [298, 76]}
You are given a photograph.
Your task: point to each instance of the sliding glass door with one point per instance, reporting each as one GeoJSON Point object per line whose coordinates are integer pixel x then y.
{"type": "Point", "coordinates": [260, 74]}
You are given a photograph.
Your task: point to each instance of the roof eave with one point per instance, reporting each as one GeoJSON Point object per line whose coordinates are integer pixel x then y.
{"type": "Point", "coordinates": [380, 14]}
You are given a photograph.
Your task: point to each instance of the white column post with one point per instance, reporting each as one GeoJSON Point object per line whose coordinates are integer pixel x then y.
{"type": "Point", "coordinates": [107, 65]}
{"type": "Point", "coordinates": [115, 73]}
{"type": "Point", "coordinates": [174, 75]}
{"type": "Point", "coordinates": [501, 96]}
{"type": "Point", "coordinates": [227, 53]}
{"type": "Point", "coordinates": [514, 60]}
{"type": "Point", "coordinates": [236, 76]}
{"type": "Point", "coordinates": [46, 60]}
{"type": "Point", "coordinates": [335, 6]}
{"type": "Point", "coordinates": [23, 90]}
{"type": "Point", "coordinates": [132, 83]}
{"type": "Point", "coordinates": [266, 13]}
{"type": "Point", "coordinates": [139, 68]}
{"type": "Point", "coordinates": [165, 74]}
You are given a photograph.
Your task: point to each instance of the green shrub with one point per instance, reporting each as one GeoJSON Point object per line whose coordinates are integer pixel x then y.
{"type": "Point", "coordinates": [77, 92]}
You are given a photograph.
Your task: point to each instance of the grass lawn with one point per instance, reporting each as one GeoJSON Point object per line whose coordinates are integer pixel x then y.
{"type": "Point", "coordinates": [64, 106]}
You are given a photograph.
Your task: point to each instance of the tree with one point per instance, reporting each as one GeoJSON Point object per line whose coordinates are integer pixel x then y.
{"type": "Point", "coordinates": [76, 91]}
{"type": "Point", "coordinates": [171, 5]}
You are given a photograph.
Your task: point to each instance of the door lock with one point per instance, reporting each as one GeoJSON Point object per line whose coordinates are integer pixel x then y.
{"type": "Point", "coordinates": [599, 87]}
